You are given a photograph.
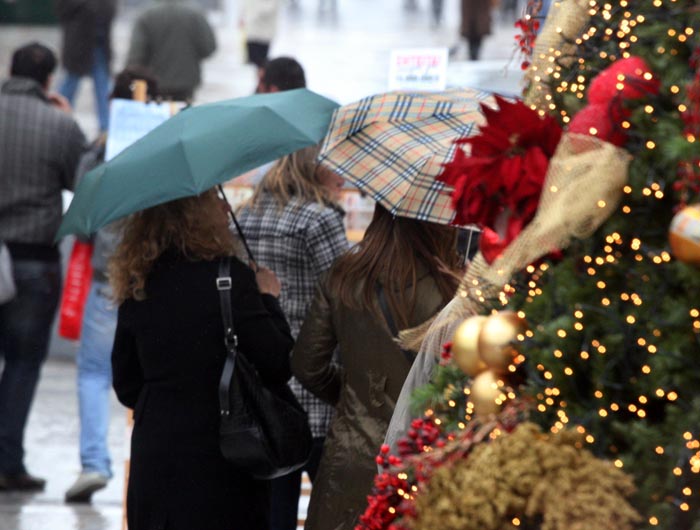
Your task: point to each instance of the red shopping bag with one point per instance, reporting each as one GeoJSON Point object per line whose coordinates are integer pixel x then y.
{"type": "Point", "coordinates": [75, 291]}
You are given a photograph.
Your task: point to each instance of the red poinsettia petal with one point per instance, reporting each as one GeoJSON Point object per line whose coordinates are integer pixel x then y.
{"type": "Point", "coordinates": [489, 142]}
{"type": "Point", "coordinates": [510, 174]}
{"type": "Point", "coordinates": [452, 171]}
{"type": "Point", "coordinates": [515, 226]}
{"type": "Point", "coordinates": [534, 170]}
{"type": "Point", "coordinates": [551, 136]}
{"type": "Point", "coordinates": [509, 116]}
{"type": "Point", "coordinates": [491, 245]}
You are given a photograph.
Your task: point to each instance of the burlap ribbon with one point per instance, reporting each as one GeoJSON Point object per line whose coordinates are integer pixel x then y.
{"type": "Point", "coordinates": [565, 22]}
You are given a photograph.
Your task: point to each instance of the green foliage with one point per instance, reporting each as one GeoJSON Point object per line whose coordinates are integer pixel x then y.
{"type": "Point", "coordinates": [616, 329]}
{"type": "Point", "coordinates": [444, 395]}
{"type": "Point", "coordinates": [626, 369]}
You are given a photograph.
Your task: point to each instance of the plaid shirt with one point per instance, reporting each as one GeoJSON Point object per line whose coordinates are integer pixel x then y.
{"type": "Point", "coordinates": [298, 242]}
{"type": "Point", "coordinates": [40, 147]}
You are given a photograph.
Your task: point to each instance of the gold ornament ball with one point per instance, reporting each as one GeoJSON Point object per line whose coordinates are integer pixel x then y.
{"type": "Point", "coordinates": [495, 339]}
{"type": "Point", "coordinates": [484, 392]}
{"type": "Point", "coordinates": [684, 235]}
{"type": "Point", "coordinates": [465, 346]}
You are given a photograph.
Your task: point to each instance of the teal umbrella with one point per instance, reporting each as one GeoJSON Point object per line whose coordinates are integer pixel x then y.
{"type": "Point", "coordinates": [194, 151]}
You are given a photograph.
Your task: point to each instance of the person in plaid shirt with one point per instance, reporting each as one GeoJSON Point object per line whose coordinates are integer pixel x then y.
{"type": "Point", "coordinates": [294, 226]}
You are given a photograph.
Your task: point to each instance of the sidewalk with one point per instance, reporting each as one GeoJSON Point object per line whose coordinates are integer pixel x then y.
{"type": "Point", "coordinates": [346, 57]}
{"type": "Point", "coordinates": [51, 441]}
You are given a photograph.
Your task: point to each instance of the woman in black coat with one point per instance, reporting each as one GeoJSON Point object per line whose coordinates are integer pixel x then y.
{"type": "Point", "coordinates": [167, 359]}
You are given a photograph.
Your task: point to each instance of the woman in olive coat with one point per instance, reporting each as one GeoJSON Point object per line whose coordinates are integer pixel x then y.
{"type": "Point", "coordinates": [398, 277]}
{"type": "Point", "coordinates": [168, 357]}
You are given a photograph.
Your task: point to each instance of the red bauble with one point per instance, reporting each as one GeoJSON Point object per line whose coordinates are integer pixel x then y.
{"type": "Point", "coordinates": [597, 120]}
{"type": "Point", "coordinates": [604, 87]}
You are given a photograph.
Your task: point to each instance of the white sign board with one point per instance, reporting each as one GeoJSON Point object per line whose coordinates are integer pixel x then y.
{"type": "Point", "coordinates": [130, 120]}
{"type": "Point", "coordinates": [418, 69]}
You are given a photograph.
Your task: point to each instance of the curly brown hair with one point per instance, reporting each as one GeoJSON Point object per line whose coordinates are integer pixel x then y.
{"type": "Point", "coordinates": [196, 227]}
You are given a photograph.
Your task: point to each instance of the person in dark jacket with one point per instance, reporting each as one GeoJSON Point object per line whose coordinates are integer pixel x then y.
{"type": "Point", "coordinates": [87, 49]}
{"type": "Point", "coordinates": [167, 360]}
{"type": "Point", "coordinates": [171, 39]}
{"type": "Point", "coordinates": [280, 73]}
{"type": "Point", "coordinates": [399, 276]}
{"type": "Point", "coordinates": [475, 24]}
{"type": "Point", "coordinates": [40, 147]}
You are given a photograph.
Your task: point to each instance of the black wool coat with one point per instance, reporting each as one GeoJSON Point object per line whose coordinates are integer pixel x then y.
{"type": "Point", "coordinates": [167, 359]}
{"type": "Point", "coordinates": [81, 22]}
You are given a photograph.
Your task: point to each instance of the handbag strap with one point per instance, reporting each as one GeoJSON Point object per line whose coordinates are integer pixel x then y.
{"type": "Point", "coordinates": [384, 307]}
{"type": "Point", "coordinates": [223, 285]}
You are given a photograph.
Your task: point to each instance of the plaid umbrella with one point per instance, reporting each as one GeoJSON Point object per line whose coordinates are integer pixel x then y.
{"type": "Point", "coordinates": [392, 145]}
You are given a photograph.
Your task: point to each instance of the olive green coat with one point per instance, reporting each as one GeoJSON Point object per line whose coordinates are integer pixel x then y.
{"type": "Point", "coordinates": [364, 391]}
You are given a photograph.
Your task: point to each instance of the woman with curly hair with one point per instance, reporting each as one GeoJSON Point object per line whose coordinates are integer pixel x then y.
{"type": "Point", "coordinates": [168, 357]}
{"type": "Point", "coordinates": [294, 226]}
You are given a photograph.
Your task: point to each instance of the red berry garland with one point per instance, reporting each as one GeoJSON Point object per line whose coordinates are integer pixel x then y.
{"type": "Point", "coordinates": [529, 25]}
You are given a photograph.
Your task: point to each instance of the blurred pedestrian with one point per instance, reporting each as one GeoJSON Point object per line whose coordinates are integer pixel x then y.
{"type": "Point", "coordinates": [475, 24]}
{"type": "Point", "coordinates": [171, 39]}
{"type": "Point", "coordinates": [99, 324]}
{"type": "Point", "coordinates": [87, 49]}
{"type": "Point", "coordinates": [295, 227]}
{"type": "Point", "coordinates": [436, 9]}
{"type": "Point", "coordinates": [399, 276]}
{"type": "Point", "coordinates": [281, 73]}
{"type": "Point", "coordinates": [259, 23]}
{"type": "Point", "coordinates": [40, 146]}
{"type": "Point", "coordinates": [168, 357]}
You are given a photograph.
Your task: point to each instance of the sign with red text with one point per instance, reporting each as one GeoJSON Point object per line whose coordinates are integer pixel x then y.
{"type": "Point", "coordinates": [418, 69]}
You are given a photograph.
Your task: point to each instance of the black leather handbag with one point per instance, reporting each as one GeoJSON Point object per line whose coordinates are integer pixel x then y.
{"type": "Point", "coordinates": [263, 431]}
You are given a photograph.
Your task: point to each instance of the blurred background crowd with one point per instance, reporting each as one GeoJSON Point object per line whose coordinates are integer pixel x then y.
{"type": "Point", "coordinates": [221, 52]}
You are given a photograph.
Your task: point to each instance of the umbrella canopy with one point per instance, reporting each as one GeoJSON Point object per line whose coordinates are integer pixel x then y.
{"type": "Point", "coordinates": [392, 145]}
{"type": "Point", "coordinates": [195, 150]}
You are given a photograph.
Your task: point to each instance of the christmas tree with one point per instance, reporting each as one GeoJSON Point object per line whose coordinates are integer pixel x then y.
{"type": "Point", "coordinates": [594, 345]}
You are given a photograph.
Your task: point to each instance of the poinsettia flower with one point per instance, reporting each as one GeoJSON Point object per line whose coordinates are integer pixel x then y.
{"type": "Point", "coordinates": [504, 170]}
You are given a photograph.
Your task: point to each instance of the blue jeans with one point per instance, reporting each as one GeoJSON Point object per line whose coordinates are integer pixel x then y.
{"type": "Point", "coordinates": [25, 329]}
{"type": "Point", "coordinates": [286, 491]}
{"type": "Point", "coordinates": [100, 81]}
{"type": "Point", "coordinates": [95, 377]}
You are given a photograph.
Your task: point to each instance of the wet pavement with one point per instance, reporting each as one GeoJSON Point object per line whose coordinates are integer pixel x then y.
{"type": "Point", "coordinates": [51, 442]}
{"type": "Point", "coordinates": [345, 54]}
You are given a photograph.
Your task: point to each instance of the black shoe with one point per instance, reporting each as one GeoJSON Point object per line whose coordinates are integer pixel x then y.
{"type": "Point", "coordinates": [21, 482]}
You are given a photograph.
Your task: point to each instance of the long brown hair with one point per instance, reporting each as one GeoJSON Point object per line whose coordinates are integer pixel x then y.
{"type": "Point", "coordinates": [294, 175]}
{"type": "Point", "coordinates": [193, 226]}
{"type": "Point", "coordinates": [390, 253]}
